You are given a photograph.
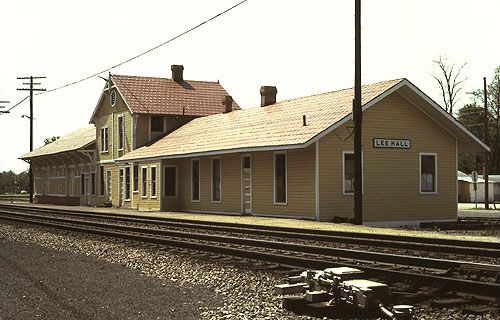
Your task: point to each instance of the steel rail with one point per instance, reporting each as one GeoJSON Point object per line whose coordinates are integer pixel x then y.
{"type": "Point", "coordinates": [301, 248]}
{"type": "Point", "coordinates": [472, 248]}
{"type": "Point", "coordinates": [468, 286]}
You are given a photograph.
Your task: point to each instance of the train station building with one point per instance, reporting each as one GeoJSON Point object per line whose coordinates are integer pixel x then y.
{"type": "Point", "coordinates": [176, 145]}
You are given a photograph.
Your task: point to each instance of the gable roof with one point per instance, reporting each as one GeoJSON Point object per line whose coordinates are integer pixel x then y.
{"type": "Point", "coordinates": [280, 126]}
{"type": "Point", "coordinates": [152, 95]}
{"type": "Point", "coordinates": [75, 140]}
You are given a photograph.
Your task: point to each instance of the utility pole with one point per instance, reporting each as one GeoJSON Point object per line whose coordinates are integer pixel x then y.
{"type": "Point", "coordinates": [31, 89]}
{"type": "Point", "coordinates": [486, 154]}
{"type": "Point", "coordinates": [357, 114]}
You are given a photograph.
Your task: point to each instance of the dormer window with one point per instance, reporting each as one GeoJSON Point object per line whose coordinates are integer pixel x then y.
{"type": "Point", "coordinates": [112, 98]}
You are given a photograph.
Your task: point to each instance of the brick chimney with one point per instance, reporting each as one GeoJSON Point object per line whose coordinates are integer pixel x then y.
{"type": "Point", "coordinates": [227, 102]}
{"type": "Point", "coordinates": [177, 70]}
{"type": "Point", "coordinates": [267, 95]}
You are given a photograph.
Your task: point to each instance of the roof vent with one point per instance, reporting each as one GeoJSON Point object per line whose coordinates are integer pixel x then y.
{"type": "Point", "coordinates": [227, 101]}
{"type": "Point", "coordinates": [177, 70]}
{"type": "Point", "coordinates": [267, 95]}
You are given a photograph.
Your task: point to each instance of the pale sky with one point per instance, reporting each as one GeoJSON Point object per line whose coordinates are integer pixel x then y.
{"type": "Point", "coordinates": [302, 47]}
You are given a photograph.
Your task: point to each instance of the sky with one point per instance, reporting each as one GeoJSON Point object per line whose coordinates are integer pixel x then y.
{"type": "Point", "coordinates": [302, 47]}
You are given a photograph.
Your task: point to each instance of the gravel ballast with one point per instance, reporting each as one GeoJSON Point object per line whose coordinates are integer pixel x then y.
{"type": "Point", "coordinates": [192, 287]}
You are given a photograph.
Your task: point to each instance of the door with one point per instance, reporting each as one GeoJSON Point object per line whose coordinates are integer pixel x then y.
{"type": "Point", "coordinates": [108, 185]}
{"type": "Point", "coordinates": [120, 188]}
{"type": "Point", "coordinates": [246, 184]}
{"type": "Point", "coordinates": [88, 189]}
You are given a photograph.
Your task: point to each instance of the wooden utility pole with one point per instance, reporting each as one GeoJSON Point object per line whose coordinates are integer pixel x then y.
{"type": "Point", "coordinates": [486, 154]}
{"type": "Point", "coordinates": [31, 89]}
{"type": "Point", "coordinates": [357, 115]}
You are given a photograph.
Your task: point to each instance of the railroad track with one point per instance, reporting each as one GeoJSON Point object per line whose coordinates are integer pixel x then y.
{"type": "Point", "coordinates": [455, 275]}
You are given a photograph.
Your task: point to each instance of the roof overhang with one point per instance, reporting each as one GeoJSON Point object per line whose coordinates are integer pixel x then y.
{"type": "Point", "coordinates": [466, 140]}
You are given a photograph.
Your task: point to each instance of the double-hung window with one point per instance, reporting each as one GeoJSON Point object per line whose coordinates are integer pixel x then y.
{"type": "Point", "coordinates": [121, 133]}
{"type": "Point", "coordinates": [348, 174]}
{"type": "Point", "coordinates": [104, 139]}
{"type": "Point", "coordinates": [153, 182]}
{"type": "Point", "coordinates": [280, 177]}
{"type": "Point", "coordinates": [195, 180]}
{"type": "Point", "coordinates": [216, 180]}
{"type": "Point", "coordinates": [136, 178]}
{"type": "Point", "coordinates": [144, 177]}
{"type": "Point", "coordinates": [428, 172]}
{"type": "Point", "coordinates": [127, 183]}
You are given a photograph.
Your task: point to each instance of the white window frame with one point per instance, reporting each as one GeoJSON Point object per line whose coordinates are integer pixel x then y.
{"type": "Point", "coordinates": [144, 182]}
{"type": "Point", "coordinates": [362, 173]}
{"type": "Point", "coordinates": [105, 138]}
{"type": "Point", "coordinates": [435, 172]}
{"type": "Point", "coordinates": [122, 141]}
{"type": "Point", "coordinates": [151, 182]}
{"type": "Point", "coordinates": [212, 180]}
{"type": "Point", "coordinates": [286, 178]}
{"type": "Point", "coordinates": [199, 181]}
{"type": "Point", "coordinates": [176, 180]}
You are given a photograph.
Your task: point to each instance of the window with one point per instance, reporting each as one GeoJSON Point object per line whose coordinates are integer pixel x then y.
{"type": "Point", "coordinates": [127, 183]}
{"type": "Point", "coordinates": [428, 173]}
{"type": "Point", "coordinates": [170, 174]}
{"type": "Point", "coordinates": [136, 178]}
{"type": "Point", "coordinates": [121, 134]}
{"type": "Point", "coordinates": [348, 164]}
{"type": "Point", "coordinates": [82, 184]}
{"type": "Point", "coordinates": [101, 181]}
{"type": "Point", "coordinates": [153, 182]}
{"type": "Point", "coordinates": [280, 178]}
{"type": "Point", "coordinates": [195, 180]}
{"type": "Point", "coordinates": [104, 139]}
{"type": "Point", "coordinates": [246, 162]}
{"type": "Point", "coordinates": [92, 183]}
{"type": "Point", "coordinates": [216, 187]}
{"type": "Point", "coordinates": [144, 182]}
{"type": "Point", "coordinates": [112, 98]}
{"type": "Point", "coordinates": [157, 124]}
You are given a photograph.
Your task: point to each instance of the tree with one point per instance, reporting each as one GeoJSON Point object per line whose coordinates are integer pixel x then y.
{"type": "Point", "coordinates": [472, 117]}
{"type": "Point", "coordinates": [493, 96]}
{"type": "Point", "coordinates": [50, 140]}
{"type": "Point", "coordinates": [449, 79]}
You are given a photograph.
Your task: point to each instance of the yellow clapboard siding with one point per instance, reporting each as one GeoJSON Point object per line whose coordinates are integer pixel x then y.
{"type": "Point", "coordinates": [391, 176]}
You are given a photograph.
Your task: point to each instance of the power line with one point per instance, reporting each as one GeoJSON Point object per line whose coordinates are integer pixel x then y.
{"type": "Point", "coordinates": [147, 51]}
{"type": "Point", "coordinates": [8, 110]}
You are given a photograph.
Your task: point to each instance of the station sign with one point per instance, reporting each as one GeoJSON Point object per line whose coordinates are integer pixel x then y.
{"type": "Point", "coordinates": [392, 143]}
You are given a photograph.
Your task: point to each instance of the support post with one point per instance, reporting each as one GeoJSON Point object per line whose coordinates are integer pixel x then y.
{"type": "Point", "coordinates": [486, 154]}
{"type": "Point", "coordinates": [357, 118]}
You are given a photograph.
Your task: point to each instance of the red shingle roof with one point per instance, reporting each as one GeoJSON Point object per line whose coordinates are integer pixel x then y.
{"type": "Point", "coordinates": [165, 96]}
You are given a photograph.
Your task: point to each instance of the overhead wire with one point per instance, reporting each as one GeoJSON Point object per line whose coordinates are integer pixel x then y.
{"type": "Point", "coordinates": [147, 51]}
{"type": "Point", "coordinates": [8, 110]}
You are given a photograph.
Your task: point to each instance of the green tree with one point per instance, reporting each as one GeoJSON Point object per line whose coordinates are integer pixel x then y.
{"type": "Point", "coordinates": [493, 97]}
